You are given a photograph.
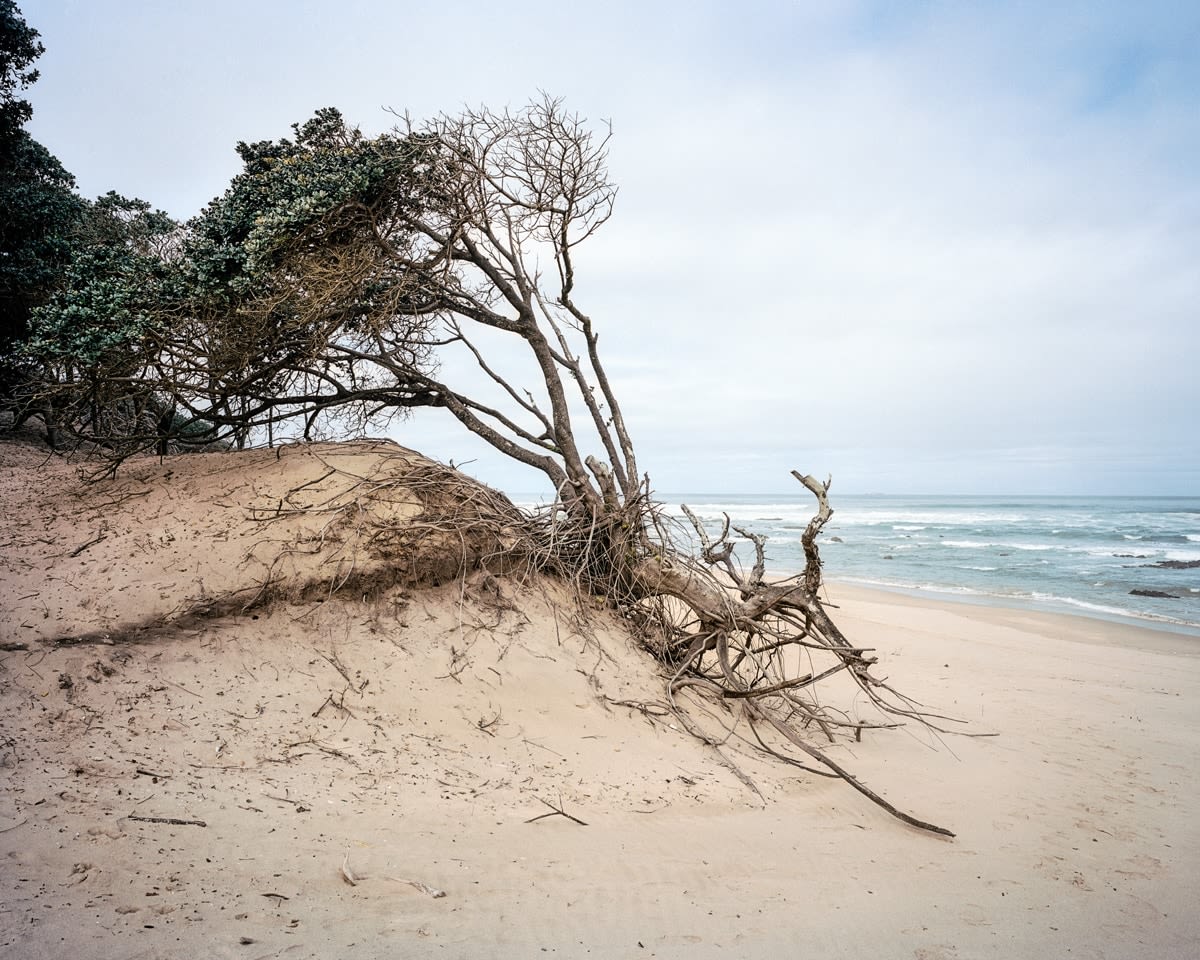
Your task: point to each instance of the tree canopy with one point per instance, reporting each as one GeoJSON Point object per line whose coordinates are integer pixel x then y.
{"type": "Point", "coordinates": [337, 272]}
{"type": "Point", "coordinates": [291, 307]}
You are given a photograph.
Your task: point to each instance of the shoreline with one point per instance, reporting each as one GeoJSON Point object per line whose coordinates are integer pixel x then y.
{"type": "Point", "coordinates": [908, 606]}
{"type": "Point", "coordinates": [997, 602]}
{"type": "Point", "coordinates": [1120, 558]}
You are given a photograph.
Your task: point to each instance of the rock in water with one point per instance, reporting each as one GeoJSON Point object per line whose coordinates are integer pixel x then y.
{"type": "Point", "coordinates": [1175, 565]}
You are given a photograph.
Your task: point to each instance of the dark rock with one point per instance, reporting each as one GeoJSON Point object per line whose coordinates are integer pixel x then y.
{"type": "Point", "coordinates": [1157, 594]}
{"type": "Point", "coordinates": [836, 540]}
{"type": "Point", "coordinates": [1175, 565]}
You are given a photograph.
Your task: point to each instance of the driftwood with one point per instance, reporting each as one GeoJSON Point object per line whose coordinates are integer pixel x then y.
{"type": "Point", "coordinates": [731, 637]}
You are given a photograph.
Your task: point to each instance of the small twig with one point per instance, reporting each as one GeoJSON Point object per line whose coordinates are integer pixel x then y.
{"type": "Point", "coordinates": [91, 543]}
{"type": "Point", "coordinates": [184, 689]}
{"type": "Point", "coordinates": [175, 821]}
{"type": "Point", "coordinates": [486, 725]}
{"type": "Point", "coordinates": [540, 746]}
{"type": "Point", "coordinates": [649, 709]}
{"type": "Point", "coordinates": [300, 806]}
{"type": "Point", "coordinates": [332, 659]}
{"type": "Point", "coordinates": [332, 751]}
{"type": "Point", "coordinates": [555, 812]}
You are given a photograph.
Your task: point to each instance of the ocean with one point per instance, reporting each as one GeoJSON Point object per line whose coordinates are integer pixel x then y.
{"type": "Point", "coordinates": [1081, 555]}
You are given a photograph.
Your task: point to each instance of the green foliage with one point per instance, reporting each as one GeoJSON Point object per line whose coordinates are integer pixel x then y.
{"type": "Point", "coordinates": [41, 210]}
{"type": "Point", "coordinates": [19, 47]}
{"type": "Point", "coordinates": [38, 206]}
{"type": "Point", "coordinates": [146, 332]}
{"type": "Point", "coordinates": [84, 287]}
{"type": "Point", "coordinates": [115, 290]}
{"type": "Point", "coordinates": [288, 272]}
{"type": "Point", "coordinates": [311, 187]}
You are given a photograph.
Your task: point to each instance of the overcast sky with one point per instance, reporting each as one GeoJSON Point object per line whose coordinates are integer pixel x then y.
{"type": "Point", "coordinates": [924, 247]}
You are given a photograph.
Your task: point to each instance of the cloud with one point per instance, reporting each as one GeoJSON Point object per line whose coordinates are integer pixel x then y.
{"type": "Point", "coordinates": [908, 244]}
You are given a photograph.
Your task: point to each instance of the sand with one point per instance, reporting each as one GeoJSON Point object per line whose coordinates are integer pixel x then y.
{"type": "Point", "coordinates": [184, 779]}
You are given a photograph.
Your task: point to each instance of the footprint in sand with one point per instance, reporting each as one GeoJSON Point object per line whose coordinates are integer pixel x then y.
{"type": "Point", "coordinates": [975, 915]}
{"type": "Point", "coordinates": [1141, 867]}
{"type": "Point", "coordinates": [940, 951]}
{"type": "Point", "coordinates": [1050, 866]}
{"type": "Point", "coordinates": [1140, 911]}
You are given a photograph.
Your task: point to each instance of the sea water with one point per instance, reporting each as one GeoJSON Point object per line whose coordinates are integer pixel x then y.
{"type": "Point", "coordinates": [1083, 555]}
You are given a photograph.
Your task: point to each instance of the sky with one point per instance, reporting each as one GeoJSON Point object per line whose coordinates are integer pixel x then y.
{"type": "Point", "coordinates": [920, 247]}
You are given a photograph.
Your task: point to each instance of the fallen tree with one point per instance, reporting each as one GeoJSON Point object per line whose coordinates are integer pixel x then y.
{"type": "Point", "coordinates": [339, 275]}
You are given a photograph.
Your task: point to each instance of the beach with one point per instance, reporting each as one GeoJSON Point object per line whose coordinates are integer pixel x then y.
{"type": "Point", "coordinates": [461, 770]}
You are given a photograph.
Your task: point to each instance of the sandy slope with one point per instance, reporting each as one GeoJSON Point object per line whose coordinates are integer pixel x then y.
{"type": "Point", "coordinates": [411, 736]}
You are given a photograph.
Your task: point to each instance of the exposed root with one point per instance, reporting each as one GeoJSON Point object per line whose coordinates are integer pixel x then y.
{"type": "Point", "coordinates": [411, 521]}
{"type": "Point", "coordinates": [726, 633]}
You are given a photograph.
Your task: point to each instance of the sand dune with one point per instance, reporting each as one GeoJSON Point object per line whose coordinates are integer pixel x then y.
{"type": "Point", "coordinates": [187, 773]}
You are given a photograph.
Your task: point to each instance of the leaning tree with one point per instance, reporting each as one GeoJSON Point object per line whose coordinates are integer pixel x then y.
{"type": "Point", "coordinates": [354, 277]}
